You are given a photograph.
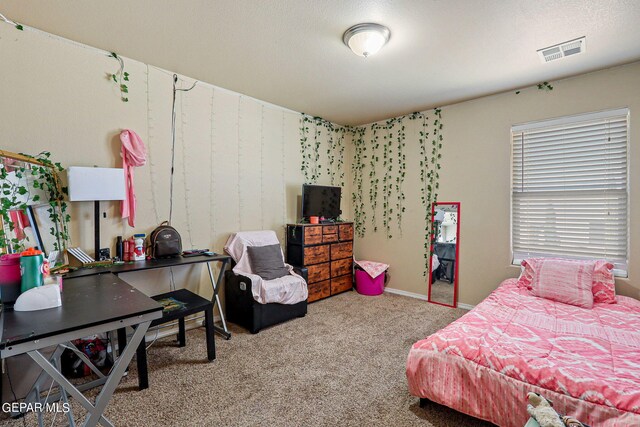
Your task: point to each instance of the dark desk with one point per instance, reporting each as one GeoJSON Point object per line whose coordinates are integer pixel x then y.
{"type": "Point", "coordinates": [90, 305]}
{"type": "Point", "coordinates": [166, 263]}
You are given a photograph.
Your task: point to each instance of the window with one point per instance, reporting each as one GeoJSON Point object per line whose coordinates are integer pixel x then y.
{"type": "Point", "coordinates": [570, 189]}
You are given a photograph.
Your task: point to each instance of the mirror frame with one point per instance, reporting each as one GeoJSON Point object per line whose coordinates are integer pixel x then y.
{"type": "Point", "coordinates": [30, 211]}
{"type": "Point", "coordinates": [431, 252]}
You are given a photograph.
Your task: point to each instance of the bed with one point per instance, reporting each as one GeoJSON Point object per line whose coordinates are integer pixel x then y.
{"type": "Point", "coordinates": [586, 361]}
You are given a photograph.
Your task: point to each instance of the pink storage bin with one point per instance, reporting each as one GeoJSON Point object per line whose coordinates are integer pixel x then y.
{"type": "Point", "coordinates": [10, 278]}
{"type": "Point", "coordinates": [365, 285]}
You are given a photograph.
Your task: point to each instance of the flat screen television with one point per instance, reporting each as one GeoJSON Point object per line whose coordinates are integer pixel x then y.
{"type": "Point", "coordinates": [321, 200]}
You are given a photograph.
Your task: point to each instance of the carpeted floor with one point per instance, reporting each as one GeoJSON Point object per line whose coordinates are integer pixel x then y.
{"type": "Point", "coordinates": [343, 364]}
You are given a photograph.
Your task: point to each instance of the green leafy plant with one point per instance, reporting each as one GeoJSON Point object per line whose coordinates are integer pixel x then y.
{"type": "Point", "coordinates": [37, 173]}
{"type": "Point", "coordinates": [357, 170]}
{"type": "Point", "coordinates": [120, 78]}
{"type": "Point", "coordinates": [304, 148]}
{"type": "Point", "coordinates": [385, 159]}
{"type": "Point", "coordinates": [544, 86]}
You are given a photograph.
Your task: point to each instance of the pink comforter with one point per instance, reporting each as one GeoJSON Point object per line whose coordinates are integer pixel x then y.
{"type": "Point", "coordinates": [586, 361]}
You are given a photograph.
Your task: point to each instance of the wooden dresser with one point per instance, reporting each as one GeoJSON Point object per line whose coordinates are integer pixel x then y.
{"type": "Point", "coordinates": [327, 252]}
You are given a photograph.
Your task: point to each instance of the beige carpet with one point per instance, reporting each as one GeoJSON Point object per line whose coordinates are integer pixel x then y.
{"type": "Point", "coordinates": [341, 365]}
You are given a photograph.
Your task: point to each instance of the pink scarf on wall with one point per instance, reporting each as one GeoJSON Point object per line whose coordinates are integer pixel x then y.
{"type": "Point", "coordinates": [134, 154]}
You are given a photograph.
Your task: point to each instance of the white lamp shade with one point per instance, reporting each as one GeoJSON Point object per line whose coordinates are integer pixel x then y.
{"type": "Point", "coordinates": [366, 39]}
{"type": "Point", "coordinates": [91, 184]}
{"type": "Point", "coordinates": [366, 43]}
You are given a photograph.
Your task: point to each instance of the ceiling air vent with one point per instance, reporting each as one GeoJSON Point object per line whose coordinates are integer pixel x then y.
{"type": "Point", "coordinates": [572, 47]}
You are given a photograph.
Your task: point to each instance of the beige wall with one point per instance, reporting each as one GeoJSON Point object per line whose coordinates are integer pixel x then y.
{"type": "Point", "coordinates": [476, 172]}
{"type": "Point", "coordinates": [237, 159]}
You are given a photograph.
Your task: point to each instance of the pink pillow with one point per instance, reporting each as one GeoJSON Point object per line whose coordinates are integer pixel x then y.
{"type": "Point", "coordinates": [604, 285]}
{"type": "Point", "coordinates": [565, 281]}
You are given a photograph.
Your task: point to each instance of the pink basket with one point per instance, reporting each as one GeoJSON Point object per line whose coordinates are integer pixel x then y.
{"type": "Point", "coordinates": [365, 285]}
{"type": "Point", "coordinates": [10, 277]}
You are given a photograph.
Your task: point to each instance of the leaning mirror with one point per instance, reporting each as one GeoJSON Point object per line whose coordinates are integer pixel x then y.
{"type": "Point", "coordinates": [34, 213]}
{"type": "Point", "coordinates": [443, 280]}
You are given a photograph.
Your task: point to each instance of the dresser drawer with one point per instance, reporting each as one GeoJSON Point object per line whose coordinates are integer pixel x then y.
{"type": "Point", "coordinates": [330, 229]}
{"type": "Point", "coordinates": [319, 272]}
{"type": "Point", "coordinates": [313, 235]}
{"type": "Point", "coordinates": [316, 254]}
{"type": "Point", "coordinates": [328, 238]}
{"type": "Point", "coordinates": [319, 290]}
{"type": "Point", "coordinates": [345, 232]}
{"type": "Point", "coordinates": [341, 267]}
{"type": "Point", "coordinates": [341, 284]}
{"type": "Point", "coordinates": [341, 250]}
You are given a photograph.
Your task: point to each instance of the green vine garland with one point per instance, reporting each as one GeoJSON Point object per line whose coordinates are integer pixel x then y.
{"type": "Point", "coordinates": [388, 160]}
{"type": "Point", "coordinates": [119, 76]}
{"type": "Point", "coordinates": [304, 148]}
{"type": "Point", "coordinates": [373, 179]}
{"type": "Point", "coordinates": [357, 169]}
{"type": "Point", "coordinates": [42, 175]}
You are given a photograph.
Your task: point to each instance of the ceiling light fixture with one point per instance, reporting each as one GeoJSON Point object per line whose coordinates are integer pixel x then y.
{"type": "Point", "coordinates": [366, 39]}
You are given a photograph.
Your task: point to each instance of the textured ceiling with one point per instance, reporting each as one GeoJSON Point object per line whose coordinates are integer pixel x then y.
{"type": "Point", "coordinates": [290, 52]}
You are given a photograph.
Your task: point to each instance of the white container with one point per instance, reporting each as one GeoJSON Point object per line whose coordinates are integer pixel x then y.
{"type": "Point", "coordinates": [138, 251]}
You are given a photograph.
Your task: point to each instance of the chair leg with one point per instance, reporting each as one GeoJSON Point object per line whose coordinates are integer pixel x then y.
{"type": "Point", "coordinates": [209, 330]}
{"type": "Point", "coordinates": [141, 361]}
{"type": "Point", "coordinates": [182, 336]}
{"type": "Point", "coordinates": [122, 340]}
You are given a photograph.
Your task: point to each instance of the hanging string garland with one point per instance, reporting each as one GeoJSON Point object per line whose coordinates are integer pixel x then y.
{"type": "Point", "coordinates": [283, 180]}
{"type": "Point", "coordinates": [238, 136]}
{"type": "Point", "coordinates": [187, 190]}
{"type": "Point", "coordinates": [212, 175]}
{"type": "Point", "coordinates": [173, 140]}
{"type": "Point", "coordinates": [262, 189]}
{"type": "Point", "coordinates": [150, 156]}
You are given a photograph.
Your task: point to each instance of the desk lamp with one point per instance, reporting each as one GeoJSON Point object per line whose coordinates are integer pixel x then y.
{"type": "Point", "coordinates": [96, 184]}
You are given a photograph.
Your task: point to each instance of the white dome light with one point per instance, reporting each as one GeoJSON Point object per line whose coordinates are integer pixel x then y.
{"type": "Point", "coordinates": [366, 39]}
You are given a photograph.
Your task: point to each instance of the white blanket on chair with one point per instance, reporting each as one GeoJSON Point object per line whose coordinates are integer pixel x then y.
{"type": "Point", "coordinates": [286, 290]}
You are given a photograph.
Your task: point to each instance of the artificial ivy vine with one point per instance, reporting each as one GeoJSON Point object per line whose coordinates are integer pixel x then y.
{"type": "Point", "coordinates": [304, 148]}
{"type": "Point", "coordinates": [311, 167]}
{"type": "Point", "coordinates": [386, 160]}
{"type": "Point", "coordinates": [119, 77]}
{"type": "Point", "coordinates": [429, 175]}
{"type": "Point", "coordinates": [373, 179]}
{"type": "Point", "coordinates": [544, 86]}
{"type": "Point", "coordinates": [40, 175]}
{"type": "Point", "coordinates": [357, 169]}
{"type": "Point", "coordinates": [402, 167]}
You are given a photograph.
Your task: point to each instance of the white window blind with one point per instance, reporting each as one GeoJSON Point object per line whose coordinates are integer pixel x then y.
{"type": "Point", "coordinates": [570, 189]}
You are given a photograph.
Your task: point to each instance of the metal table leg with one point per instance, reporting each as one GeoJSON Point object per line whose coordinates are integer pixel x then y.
{"type": "Point", "coordinates": [95, 411]}
{"type": "Point", "coordinates": [224, 331]}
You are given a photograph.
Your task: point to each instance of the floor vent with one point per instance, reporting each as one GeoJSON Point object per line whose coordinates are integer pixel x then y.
{"type": "Point", "coordinates": [562, 50]}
